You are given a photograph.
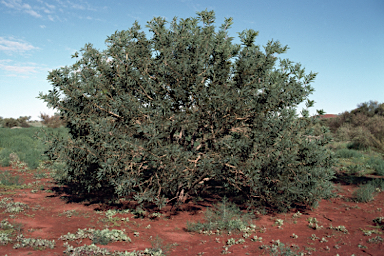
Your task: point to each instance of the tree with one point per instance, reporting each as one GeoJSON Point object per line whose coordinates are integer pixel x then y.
{"type": "Point", "coordinates": [160, 119]}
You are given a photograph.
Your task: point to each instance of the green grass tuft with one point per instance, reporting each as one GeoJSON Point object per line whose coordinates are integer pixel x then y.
{"type": "Point", "coordinates": [223, 216]}
{"type": "Point", "coordinates": [348, 153]}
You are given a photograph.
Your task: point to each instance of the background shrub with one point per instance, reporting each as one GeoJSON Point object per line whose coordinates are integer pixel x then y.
{"type": "Point", "coordinates": [54, 121]}
{"type": "Point", "coordinates": [363, 126]}
{"type": "Point", "coordinates": [344, 132]}
{"type": "Point", "coordinates": [10, 122]}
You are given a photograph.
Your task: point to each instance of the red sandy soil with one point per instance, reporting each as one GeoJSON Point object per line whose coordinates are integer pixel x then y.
{"type": "Point", "coordinates": [46, 219]}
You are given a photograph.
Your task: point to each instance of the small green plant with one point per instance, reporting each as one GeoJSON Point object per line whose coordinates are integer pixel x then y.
{"type": "Point", "coordinates": [23, 242]}
{"type": "Point", "coordinates": [376, 240]}
{"type": "Point", "coordinates": [69, 213]}
{"type": "Point", "coordinates": [339, 228]}
{"type": "Point", "coordinates": [279, 222]}
{"type": "Point", "coordinates": [12, 207]}
{"type": "Point", "coordinates": [297, 214]}
{"type": "Point", "coordinates": [313, 223]}
{"type": "Point", "coordinates": [139, 213]}
{"type": "Point", "coordinates": [158, 246]}
{"type": "Point", "coordinates": [104, 236]}
{"type": "Point", "coordinates": [7, 232]}
{"type": "Point", "coordinates": [223, 216]}
{"type": "Point", "coordinates": [257, 239]}
{"type": "Point", "coordinates": [378, 220]}
{"type": "Point", "coordinates": [95, 250]}
{"type": "Point", "coordinates": [232, 241]}
{"type": "Point", "coordinates": [364, 193]}
{"type": "Point", "coordinates": [155, 215]}
{"type": "Point", "coordinates": [368, 232]}
{"type": "Point", "coordinates": [15, 162]}
{"type": "Point", "coordinates": [5, 238]}
{"type": "Point", "coordinates": [378, 184]}
{"type": "Point", "coordinates": [7, 179]}
{"type": "Point", "coordinates": [362, 246]}
{"type": "Point", "coordinates": [40, 175]}
{"type": "Point", "coordinates": [278, 248]}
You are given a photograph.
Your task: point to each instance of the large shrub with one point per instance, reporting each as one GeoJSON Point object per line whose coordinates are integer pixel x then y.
{"type": "Point", "coordinates": [161, 118]}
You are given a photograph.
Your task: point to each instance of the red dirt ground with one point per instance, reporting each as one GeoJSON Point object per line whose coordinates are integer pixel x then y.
{"type": "Point", "coordinates": [46, 219]}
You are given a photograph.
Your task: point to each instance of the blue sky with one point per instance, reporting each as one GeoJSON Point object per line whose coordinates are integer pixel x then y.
{"type": "Point", "coordinates": [342, 40]}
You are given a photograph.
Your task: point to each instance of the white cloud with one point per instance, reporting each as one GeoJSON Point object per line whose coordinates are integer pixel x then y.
{"type": "Point", "coordinates": [18, 69]}
{"type": "Point", "coordinates": [20, 6]}
{"type": "Point", "coordinates": [42, 26]}
{"type": "Point", "coordinates": [77, 6]}
{"type": "Point", "coordinates": [49, 10]}
{"type": "Point", "coordinates": [26, 70]}
{"type": "Point", "coordinates": [50, 6]}
{"type": "Point", "coordinates": [11, 44]}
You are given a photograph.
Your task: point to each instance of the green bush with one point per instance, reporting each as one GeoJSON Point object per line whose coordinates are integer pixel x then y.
{"type": "Point", "coordinates": [7, 179]}
{"type": "Point", "coordinates": [377, 164]}
{"type": "Point", "coordinates": [378, 183]}
{"type": "Point", "coordinates": [364, 193]}
{"type": "Point", "coordinates": [355, 169]}
{"type": "Point", "coordinates": [158, 118]}
{"type": "Point", "coordinates": [222, 216]}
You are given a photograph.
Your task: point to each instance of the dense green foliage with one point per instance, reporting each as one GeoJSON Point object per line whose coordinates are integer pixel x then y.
{"type": "Point", "coordinates": [23, 142]}
{"type": "Point", "coordinates": [161, 119]}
